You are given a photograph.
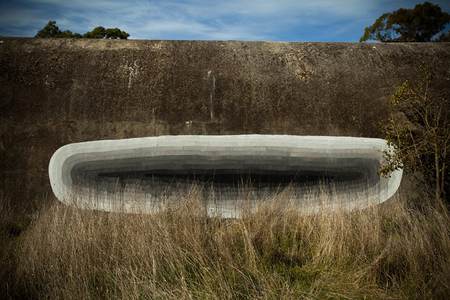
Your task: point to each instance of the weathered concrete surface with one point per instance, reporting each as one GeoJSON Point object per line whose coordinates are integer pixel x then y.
{"type": "Point", "coordinates": [54, 92]}
{"type": "Point", "coordinates": [90, 174]}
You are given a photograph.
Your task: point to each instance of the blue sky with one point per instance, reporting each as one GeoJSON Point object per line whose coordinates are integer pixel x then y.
{"type": "Point", "coordinates": [282, 20]}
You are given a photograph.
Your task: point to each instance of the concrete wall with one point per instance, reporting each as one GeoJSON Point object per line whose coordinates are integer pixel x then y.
{"type": "Point", "coordinates": [55, 92]}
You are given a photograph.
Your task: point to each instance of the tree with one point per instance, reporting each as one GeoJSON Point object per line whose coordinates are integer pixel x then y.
{"type": "Point", "coordinates": [96, 33]}
{"type": "Point", "coordinates": [116, 33]}
{"type": "Point", "coordinates": [419, 24]}
{"type": "Point", "coordinates": [51, 30]}
{"type": "Point", "coordinates": [106, 33]}
{"type": "Point", "coordinates": [418, 131]}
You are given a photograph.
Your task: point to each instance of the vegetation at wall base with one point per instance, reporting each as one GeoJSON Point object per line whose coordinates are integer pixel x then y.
{"type": "Point", "coordinates": [418, 130]}
{"type": "Point", "coordinates": [397, 250]}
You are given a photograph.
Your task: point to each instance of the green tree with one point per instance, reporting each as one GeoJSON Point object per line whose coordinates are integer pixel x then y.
{"type": "Point", "coordinates": [116, 33]}
{"type": "Point", "coordinates": [106, 33]}
{"type": "Point", "coordinates": [419, 24]}
{"type": "Point", "coordinates": [98, 32]}
{"type": "Point", "coordinates": [51, 30]}
{"type": "Point", "coordinates": [418, 131]}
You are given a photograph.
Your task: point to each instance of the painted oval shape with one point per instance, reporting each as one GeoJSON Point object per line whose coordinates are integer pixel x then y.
{"type": "Point", "coordinates": [99, 174]}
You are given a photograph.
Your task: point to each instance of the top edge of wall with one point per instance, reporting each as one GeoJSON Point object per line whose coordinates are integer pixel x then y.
{"type": "Point", "coordinates": [104, 44]}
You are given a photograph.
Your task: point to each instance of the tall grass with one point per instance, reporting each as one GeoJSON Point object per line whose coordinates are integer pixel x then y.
{"type": "Point", "coordinates": [386, 251]}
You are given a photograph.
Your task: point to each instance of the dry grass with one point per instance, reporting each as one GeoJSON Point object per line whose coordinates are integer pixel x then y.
{"type": "Point", "coordinates": [388, 251]}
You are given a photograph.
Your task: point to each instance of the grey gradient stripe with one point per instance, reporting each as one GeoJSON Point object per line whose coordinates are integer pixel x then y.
{"type": "Point", "coordinates": [75, 168]}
